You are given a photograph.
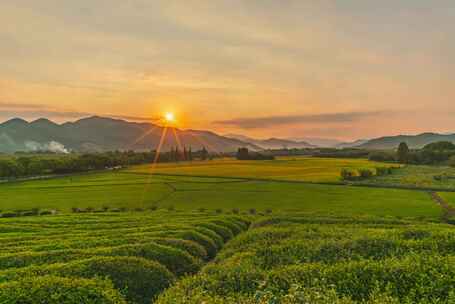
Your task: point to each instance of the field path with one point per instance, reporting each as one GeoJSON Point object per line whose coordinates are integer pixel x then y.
{"type": "Point", "coordinates": [448, 210]}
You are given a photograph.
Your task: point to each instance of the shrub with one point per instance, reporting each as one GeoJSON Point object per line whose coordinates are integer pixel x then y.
{"type": "Point", "coordinates": [268, 211]}
{"type": "Point", "coordinates": [252, 211]}
{"type": "Point", "coordinates": [365, 173]}
{"type": "Point", "coordinates": [89, 209]}
{"type": "Point", "coordinates": [105, 208]}
{"type": "Point", "coordinates": [193, 248]}
{"type": "Point", "coordinates": [202, 210]}
{"type": "Point", "coordinates": [347, 175]}
{"type": "Point", "coordinates": [381, 171]}
{"type": "Point", "coordinates": [416, 234]}
{"type": "Point", "coordinates": [154, 208]}
{"type": "Point", "coordinates": [235, 228]}
{"type": "Point", "coordinates": [176, 260]}
{"type": "Point", "coordinates": [235, 211]}
{"type": "Point", "coordinates": [55, 290]}
{"type": "Point", "coordinates": [224, 232]}
{"type": "Point", "coordinates": [170, 208]}
{"type": "Point", "coordinates": [28, 213]}
{"type": "Point", "coordinates": [219, 211]}
{"type": "Point", "coordinates": [138, 279]}
{"type": "Point", "coordinates": [123, 209]}
{"type": "Point", "coordinates": [10, 214]}
{"type": "Point", "coordinates": [217, 239]}
{"type": "Point", "coordinates": [75, 210]}
{"type": "Point", "coordinates": [203, 240]}
{"type": "Point", "coordinates": [139, 209]}
{"type": "Point", "coordinates": [46, 212]}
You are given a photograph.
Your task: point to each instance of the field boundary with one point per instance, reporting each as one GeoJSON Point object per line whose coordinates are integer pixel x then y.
{"type": "Point", "coordinates": [349, 184]}
{"type": "Point", "coordinates": [448, 210]}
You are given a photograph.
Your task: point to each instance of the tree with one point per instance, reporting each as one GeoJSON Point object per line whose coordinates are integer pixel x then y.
{"type": "Point", "coordinates": [403, 153]}
{"type": "Point", "coordinates": [440, 146]}
{"type": "Point", "coordinates": [346, 174]}
{"type": "Point", "coordinates": [243, 154]}
{"type": "Point", "coordinates": [190, 155]}
{"type": "Point", "coordinates": [204, 154]}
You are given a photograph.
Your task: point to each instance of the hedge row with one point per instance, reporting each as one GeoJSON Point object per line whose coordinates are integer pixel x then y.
{"type": "Point", "coordinates": [56, 290]}
{"type": "Point", "coordinates": [138, 271]}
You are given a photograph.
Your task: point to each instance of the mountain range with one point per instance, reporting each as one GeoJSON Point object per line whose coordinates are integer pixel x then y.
{"type": "Point", "coordinates": [273, 143]}
{"type": "Point", "coordinates": [413, 141]}
{"type": "Point", "coordinates": [97, 134]}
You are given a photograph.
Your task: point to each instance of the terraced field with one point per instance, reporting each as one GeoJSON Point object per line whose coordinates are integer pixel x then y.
{"type": "Point", "coordinates": [106, 258]}
{"type": "Point", "coordinates": [322, 260]}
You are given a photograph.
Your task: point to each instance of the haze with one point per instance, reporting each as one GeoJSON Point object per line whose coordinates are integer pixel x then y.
{"type": "Point", "coordinates": [342, 69]}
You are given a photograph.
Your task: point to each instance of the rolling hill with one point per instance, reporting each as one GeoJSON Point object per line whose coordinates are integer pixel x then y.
{"type": "Point", "coordinates": [106, 134]}
{"type": "Point", "coordinates": [272, 143]}
{"type": "Point", "coordinates": [413, 141]}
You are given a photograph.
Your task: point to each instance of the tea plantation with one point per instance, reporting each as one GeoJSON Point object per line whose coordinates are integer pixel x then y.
{"type": "Point", "coordinates": [301, 259]}
{"type": "Point", "coordinates": [106, 258]}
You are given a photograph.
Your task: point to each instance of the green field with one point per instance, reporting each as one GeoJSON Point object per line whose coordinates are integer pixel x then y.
{"type": "Point", "coordinates": [312, 239]}
{"type": "Point", "coordinates": [255, 185]}
{"type": "Point", "coordinates": [309, 169]}
{"type": "Point", "coordinates": [140, 254]}
{"type": "Point", "coordinates": [299, 259]}
{"type": "Point", "coordinates": [419, 177]}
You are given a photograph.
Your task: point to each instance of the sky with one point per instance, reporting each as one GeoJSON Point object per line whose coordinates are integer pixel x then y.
{"type": "Point", "coordinates": [344, 69]}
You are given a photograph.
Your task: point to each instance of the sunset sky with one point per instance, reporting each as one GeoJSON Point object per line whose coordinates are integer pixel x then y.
{"type": "Point", "coordinates": [343, 69]}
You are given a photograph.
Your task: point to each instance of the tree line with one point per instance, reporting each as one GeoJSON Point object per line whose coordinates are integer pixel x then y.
{"type": "Point", "coordinates": [438, 153]}
{"type": "Point", "coordinates": [24, 165]}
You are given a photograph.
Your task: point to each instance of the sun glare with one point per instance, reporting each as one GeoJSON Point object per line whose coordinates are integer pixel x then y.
{"type": "Point", "coordinates": [169, 117]}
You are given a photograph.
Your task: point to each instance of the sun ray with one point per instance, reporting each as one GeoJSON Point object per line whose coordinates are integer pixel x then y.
{"type": "Point", "coordinates": [209, 147]}
{"type": "Point", "coordinates": [177, 139]}
{"type": "Point", "coordinates": [150, 131]}
{"type": "Point", "coordinates": [155, 161]}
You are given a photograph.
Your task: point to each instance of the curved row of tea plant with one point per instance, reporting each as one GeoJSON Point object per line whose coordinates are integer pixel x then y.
{"type": "Point", "coordinates": [300, 259]}
{"type": "Point", "coordinates": [110, 258]}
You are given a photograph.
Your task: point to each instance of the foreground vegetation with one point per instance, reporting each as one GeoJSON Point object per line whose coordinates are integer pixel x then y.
{"type": "Point", "coordinates": [106, 258]}
{"type": "Point", "coordinates": [301, 259]}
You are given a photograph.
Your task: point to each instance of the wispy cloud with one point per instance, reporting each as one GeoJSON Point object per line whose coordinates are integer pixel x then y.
{"type": "Point", "coordinates": [271, 121]}
{"type": "Point", "coordinates": [13, 105]}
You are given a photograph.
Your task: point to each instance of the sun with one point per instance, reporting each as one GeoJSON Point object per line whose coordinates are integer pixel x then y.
{"type": "Point", "coordinates": [169, 117]}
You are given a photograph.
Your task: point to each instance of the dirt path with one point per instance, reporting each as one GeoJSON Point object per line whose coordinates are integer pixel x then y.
{"type": "Point", "coordinates": [449, 211]}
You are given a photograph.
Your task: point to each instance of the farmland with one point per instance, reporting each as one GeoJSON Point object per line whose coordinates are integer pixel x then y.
{"type": "Point", "coordinates": [286, 168]}
{"type": "Point", "coordinates": [141, 254]}
{"type": "Point", "coordinates": [224, 184]}
{"type": "Point", "coordinates": [440, 177]}
{"type": "Point", "coordinates": [299, 259]}
{"type": "Point", "coordinates": [284, 231]}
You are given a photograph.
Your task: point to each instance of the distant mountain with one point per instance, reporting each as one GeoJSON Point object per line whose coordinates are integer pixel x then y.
{"type": "Point", "coordinates": [272, 143]}
{"type": "Point", "coordinates": [351, 144]}
{"type": "Point", "coordinates": [319, 142]}
{"type": "Point", "coordinates": [413, 141]}
{"type": "Point", "coordinates": [106, 134]}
